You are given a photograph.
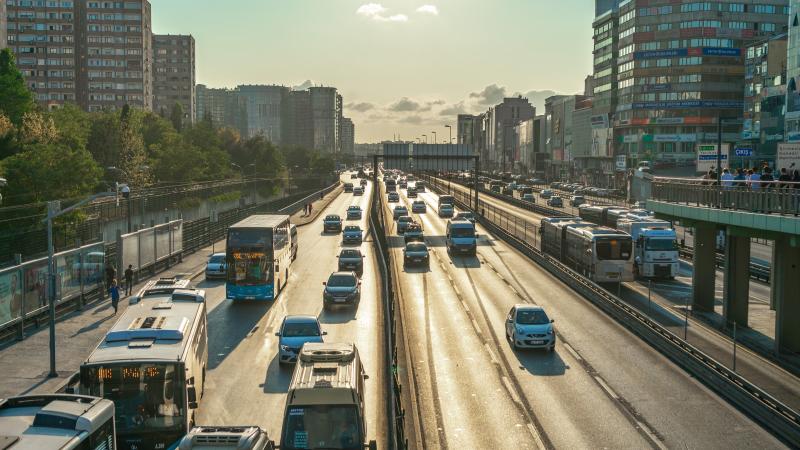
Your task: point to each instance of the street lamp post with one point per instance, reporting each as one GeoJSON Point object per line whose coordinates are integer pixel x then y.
{"type": "Point", "coordinates": [434, 137]}
{"type": "Point", "coordinates": [253, 165]}
{"type": "Point", "coordinates": [450, 128]}
{"type": "Point", "coordinates": [54, 210]}
{"type": "Point", "coordinates": [426, 138]}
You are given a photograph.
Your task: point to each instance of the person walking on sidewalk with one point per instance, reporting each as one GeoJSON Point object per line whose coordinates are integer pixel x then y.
{"type": "Point", "coordinates": [111, 273]}
{"type": "Point", "coordinates": [129, 279]}
{"type": "Point", "coordinates": [114, 292]}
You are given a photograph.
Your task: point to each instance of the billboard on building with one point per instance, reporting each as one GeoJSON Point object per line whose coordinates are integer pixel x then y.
{"type": "Point", "coordinates": [707, 156]}
{"type": "Point", "coordinates": [788, 156]}
{"type": "Point", "coordinates": [621, 163]}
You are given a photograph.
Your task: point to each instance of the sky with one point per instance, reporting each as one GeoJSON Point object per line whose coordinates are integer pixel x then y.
{"type": "Point", "coordinates": [404, 67]}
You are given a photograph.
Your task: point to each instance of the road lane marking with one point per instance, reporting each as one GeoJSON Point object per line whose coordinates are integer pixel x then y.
{"type": "Point", "coordinates": [572, 351]}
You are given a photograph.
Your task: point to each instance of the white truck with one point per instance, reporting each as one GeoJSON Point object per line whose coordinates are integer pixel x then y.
{"type": "Point", "coordinates": [655, 248]}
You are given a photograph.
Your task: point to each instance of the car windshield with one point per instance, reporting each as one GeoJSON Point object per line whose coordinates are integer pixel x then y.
{"type": "Point", "coordinates": [532, 317]}
{"type": "Point", "coordinates": [350, 254]}
{"type": "Point", "coordinates": [217, 259]}
{"type": "Point", "coordinates": [322, 427]}
{"type": "Point", "coordinates": [404, 219]}
{"type": "Point", "coordinates": [662, 244]}
{"type": "Point", "coordinates": [400, 210]}
{"type": "Point", "coordinates": [354, 208]}
{"type": "Point", "coordinates": [462, 232]}
{"type": "Point", "coordinates": [465, 215]}
{"type": "Point", "coordinates": [416, 247]}
{"type": "Point", "coordinates": [352, 228]}
{"type": "Point", "coordinates": [341, 281]}
{"type": "Point", "coordinates": [298, 329]}
{"type": "Point", "coordinates": [332, 218]}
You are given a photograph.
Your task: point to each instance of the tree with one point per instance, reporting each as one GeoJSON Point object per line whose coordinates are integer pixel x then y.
{"type": "Point", "coordinates": [176, 117]}
{"type": "Point", "coordinates": [73, 125]}
{"type": "Point", "coordinates": [104, 138]}
{"type": "Point", "coordinates": [133, 157]}
{"type": "Point", "coordinates": [15, 98]}
{"type": "Point", "coordinates": [37, 127]}
{"type": "Point", "coordinates": [46, 171]}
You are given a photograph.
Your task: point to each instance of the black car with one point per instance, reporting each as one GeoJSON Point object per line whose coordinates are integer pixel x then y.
{"type": "Point", "coordinates": [342, 288]}
{"type": "Point", "coordinates": [412, 192]}
{"type": "Point", "coordinates": [332, 222]}
{"type": "Point", "coordinates": [351, 259]}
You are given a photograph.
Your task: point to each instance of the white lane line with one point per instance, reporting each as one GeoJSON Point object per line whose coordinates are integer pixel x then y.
{"type": "Point", "coordinates": [607, 388]}
{"type": "Point", "coordinates": [514, 397]}
{"type": "Point", "coordinates": [491, 354]}
{"type": "Point", "coordinates": [572, 352]}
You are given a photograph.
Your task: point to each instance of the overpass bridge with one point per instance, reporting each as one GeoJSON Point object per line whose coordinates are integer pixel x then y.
{"type": "Point", "coordinates": [743, 213]}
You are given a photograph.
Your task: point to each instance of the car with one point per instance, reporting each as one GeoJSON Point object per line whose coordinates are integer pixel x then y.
{"type": "Point", "coordinates": [527, 326]}
{"type": "Point", "coordinates": [351, 259]}
{"type": "Point", "coordinates": [352, 234]}
{"type": "Point", "coordinates": [342, 288]}
{"type": "Point", "coordinates": [353, 176]}
{"type": "Point", "coordinates": [577, 200]}
{"type": "Point", "coordinates": [296, 331]}
{"type": "Point", "coordinates": [555, 202]}
{"type": "Point", "coordinates": [413, 232]}
{"type": "Point", "coordinates": [419, 186]}
{"type": "Point", "coordinates": [403, 184]}
{"type": "Point", "coordinates": [354, 212]}
{"type": "Point", "coordinates": [465, 215]}
{"type": "Point", "coordinates": [529, 198]}
{"type": "Point", "coordinates": [495, 188]}
{"type": "Point", "coordinates": [332, 222]}
{"type": "Point", "coordinates": [399, 210]}
{"type": "Point", "coordinates": [546, 193]}
{"type": "Point", "coordinates": [216, 266]}
{"type": "Point", "coordinates": [363, 182]}
{"type": "Point", "coordinates": [419, 206]}
{"type": "Point", "coordinates": [393, 197]}
{"type": "Point", "coordinates": [358, 191]}
{"type": "Point", "coordinates": [412, 192]}
{"type": "Point", "coordinates": [446, 210]}
{"type": "Point", "coordinates": [348, 187]}
{"type": "Point", "coordinates": [402, 223]}
{"type": "Point", "coordinates": [416, 253]}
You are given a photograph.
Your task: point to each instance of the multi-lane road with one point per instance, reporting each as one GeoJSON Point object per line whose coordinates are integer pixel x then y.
{"type": "Point", "coordinates": [601, 387]}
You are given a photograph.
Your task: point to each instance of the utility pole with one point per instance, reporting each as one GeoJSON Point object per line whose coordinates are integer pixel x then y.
{"type": "Point", "coordinates": [450, 128]}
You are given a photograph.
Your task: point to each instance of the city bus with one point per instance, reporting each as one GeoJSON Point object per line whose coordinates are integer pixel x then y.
{"type": "Point", "coordinates": [152, 365]}
{"type": "Point", "coordinates": [57, 422]}
{"type": "Point", "coordinates": [258, 252]}
{"type": "Point", "coordinates": [600, 253]}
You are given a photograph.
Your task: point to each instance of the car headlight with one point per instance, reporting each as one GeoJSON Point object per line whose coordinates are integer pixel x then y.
{"type": "Point", "coordinates": [284, 348]}
{"type": "Point", "coordinates": [550, 332]}
{"type": "Point", "coordinates": [520, 331]}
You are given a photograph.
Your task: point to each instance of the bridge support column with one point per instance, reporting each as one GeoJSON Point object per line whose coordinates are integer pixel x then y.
{"type": "Point", "coordinates": [704, 267]}
{"type": "Point", "coordinates": [736, 285]}
{"type": "Point", "coordinates": [785, 294]}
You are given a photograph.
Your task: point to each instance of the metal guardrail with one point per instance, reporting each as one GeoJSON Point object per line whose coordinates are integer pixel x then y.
{"type": "Point", "coordinates": [765, 197]}
{"type": "Point", "coordinates": [770, 412]}
{"type": "Point", "coordinates": [759, 272]}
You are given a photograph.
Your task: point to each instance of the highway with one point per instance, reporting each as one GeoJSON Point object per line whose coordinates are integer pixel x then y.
{"type": "Point", "coordinates": [245, 384]}
{"type": "Point", "coordinates": [601, 387]}
{"type": "Point", "coordinates": [666, 294]}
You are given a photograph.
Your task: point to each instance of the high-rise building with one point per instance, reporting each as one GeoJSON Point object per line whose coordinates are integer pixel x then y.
{"type": "Point", "coordinates": [764, 99]}
{"type": "Point", "coordinates": [339, 119]}
{"type": "Point", "coordinates": [3, 26]}
{"type": "Point", "coordinates": [264, 106]}
{"type": "Point", "coordinates": [501, 139]}
{"type": "Point", "coordinates": [347, 134]}
{"type": "Point", "coordinates": [792, 119]}
{"type": "Point", "coordinates": [324, 117]}
{"type": "Point", "coordinates": [601, 6]}
{"type": "Point", "coordinates": [174, 74]}
{"type": "Point", "coordinates": [680, 67]}
{"type": "Point", "coordinates": [560, 146]}
{"type": "Point", "coordinates": [221, 106]}
{"type": "Point", "coordinates": [97, 54]}
{"type": "Point", "coordinates": [465, 129]}
{"type": "Point", "coordinates": [604, 78]}
{"type": "Point", "coordinates": [299, 126]}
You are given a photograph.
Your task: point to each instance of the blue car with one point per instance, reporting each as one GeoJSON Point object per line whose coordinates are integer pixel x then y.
{"type": "Point", "coordinates": [354, 212]}
{"type": "Point", "coordinates": [352, 234]}
{"type": "Point", "coordinates": [527, 326]}
{"type": "Point", "coordinates": [294, 332]}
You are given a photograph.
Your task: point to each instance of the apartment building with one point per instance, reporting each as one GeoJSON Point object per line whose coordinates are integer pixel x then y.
{"type": "Point", "coordinates": [680, 67]}
{"type": "Point", "coordinates": [299, 126]}
{"type": "Point", "coordinates": [174, 74]}
{"type": "Point", "coordinates": [264, 107]}
{"type": "Point", "coordinates": [221, 106]}
{"type": "Point", "coordinates": [501, 149]}
{"type": "Point", "coordinates": [325, 107]}
{"type": "Point", "coordinates": [95, 53]}
{"type": "Point", "coordinates": [347, 135]}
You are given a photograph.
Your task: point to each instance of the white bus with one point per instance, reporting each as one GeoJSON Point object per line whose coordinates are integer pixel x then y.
{"type": "Point", "coordinates": [152, 365]}
{"type": "Point", "coordinates": [56, 422]}
{"type": "Point", "coordinates": [601, 254]}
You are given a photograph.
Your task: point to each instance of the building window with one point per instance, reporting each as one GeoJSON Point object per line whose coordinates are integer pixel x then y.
{"type": "Point", "coordinates": [736, 7]}
{"type": "Point", "coordinates": [738, 25]}
{"type": "Point", "coordinates": [764, 9]}
{"type": "Point", "coordinates": [766, 26]}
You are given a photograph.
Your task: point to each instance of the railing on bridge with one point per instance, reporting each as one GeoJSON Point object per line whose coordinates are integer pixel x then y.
{"type": "Point", "coordinates": [767, 197]}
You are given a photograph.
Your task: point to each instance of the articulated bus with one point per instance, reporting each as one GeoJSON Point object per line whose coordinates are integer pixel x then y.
{"type": "Point", "coordinates": [259, 252]}
{"type": "Point", "coordinates": [152, 365]}
{"type": "Point", "coordinates": [56, 422]}
{"type": "Point", "coordinates": [601, 254]}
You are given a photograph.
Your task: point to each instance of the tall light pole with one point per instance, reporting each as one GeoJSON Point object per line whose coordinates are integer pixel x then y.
{"type": "Point", "coordinates": [434, 137]}
{"type": "Point", "coordinates": [253, 165]}
{"type": "Point", "coordinates": [450, 128]}
{"type": "Point", "coordinates": [54, 210]}
{"type": "Point", "coordinates": [426, 138]}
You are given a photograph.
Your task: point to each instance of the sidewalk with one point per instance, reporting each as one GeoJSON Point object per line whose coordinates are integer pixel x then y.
{"type": "Point", "coordinates": [24, 365]}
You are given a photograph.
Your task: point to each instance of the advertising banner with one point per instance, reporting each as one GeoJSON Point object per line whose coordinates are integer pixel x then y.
{"type": "Point", "coordinates": [621, 163]}
{"type": "Point", "coordinates": [788, 156]}
{"type": "Point", "coordinates": [10, 298]}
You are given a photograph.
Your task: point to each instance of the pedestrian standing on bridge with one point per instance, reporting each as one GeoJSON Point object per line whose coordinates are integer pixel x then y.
{"type": "Point", "coordinates": [128, 279]}
{"type": "Point", "coordinates": [114, 292]}
{"type": "Point", "coordinates": [111, 273]}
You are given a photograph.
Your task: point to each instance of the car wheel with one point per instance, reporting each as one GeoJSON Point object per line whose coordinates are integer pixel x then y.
{"type": "Point", "coordinates": [514, 341]}
{"type": "Point", "coordinates": [550, 348]}
{"type": "Point", "coordinates": [281, 363]}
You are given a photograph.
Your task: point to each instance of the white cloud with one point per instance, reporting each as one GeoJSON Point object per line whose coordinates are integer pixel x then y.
{"type": "Point", "coordinates": [377, 12]}
{"type": "Point", "coordinates": [428, 9]}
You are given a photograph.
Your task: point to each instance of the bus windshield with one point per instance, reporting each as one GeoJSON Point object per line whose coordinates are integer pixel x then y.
{"type": "Point", "coordinates": [662, 244]}
{"type": "Point", "coordinates": [613, 249]}
{"type": "Point", "coordinates": [147, 397]}
{"type": "Point", "coordinates": [322, 426]}
{"type": "Point", "coordinates": [249, 256]}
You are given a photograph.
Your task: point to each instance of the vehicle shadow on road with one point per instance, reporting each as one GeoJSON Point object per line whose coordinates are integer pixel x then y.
{"type": "Point", "coordinates": [652, 309]}
{"type": "Point", "coordinates": [229, 323]}
{"type": "Point", "coordinates": [416, 269]}
{"type": "Point", "coordinates": [465, 262]}
{"type": "Point", "coordinates": [341, 314]}
{"type": "Point", "coordinates": [277, 378]}
{"type": "Point", "coordinates": [541, 362]}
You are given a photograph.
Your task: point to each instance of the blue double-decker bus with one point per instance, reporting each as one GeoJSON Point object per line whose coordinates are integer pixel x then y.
{"type": "Point", "coordinates": [258, 253]}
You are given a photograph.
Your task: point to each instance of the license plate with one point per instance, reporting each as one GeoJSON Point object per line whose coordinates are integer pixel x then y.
{"type": "Point", "coordinates": [249, 297]}
{"type": "Point", "coordinates": [537, 342]}
{"type": "Point", "coordinates": [339, 300]}
{"type": "Point", "coordinates": [351, 266]}
{"type": "Point", "coordinates": [612, 274]}
{"type": "Point", "coordinates": [464, 250]}
{"type": "Point", "coordinates": [417, 260]}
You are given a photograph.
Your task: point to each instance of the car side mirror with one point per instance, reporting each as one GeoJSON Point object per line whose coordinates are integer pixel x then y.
{"type": "Point", "coordinates": [324, 333]}
{"type": "Point", "coordinates": [191, 395]}
{"type": "Point", "coordinates": [324, 283]}
{"type": "Point", "coordinates": [552, 320]}
{"type": "Point", "coordinates": [278, 334]}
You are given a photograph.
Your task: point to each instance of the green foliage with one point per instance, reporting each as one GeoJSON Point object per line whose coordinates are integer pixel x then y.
{"type": "Point", "coordinates": [226, 197]}
{"type": "Point", "coordinates": [50, 171]}
{"type": "Point", "coordinates": [73, 125]}
{"type": "Point", "coordinates": [15, 98]}
{"type": "Point", "coordinates": [176, 117]}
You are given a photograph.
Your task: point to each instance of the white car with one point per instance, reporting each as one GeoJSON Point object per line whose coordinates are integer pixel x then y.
{"type": "Point", "coordinates": [527, 326]}
{"type": "Point", "coordinates": [216, 267]}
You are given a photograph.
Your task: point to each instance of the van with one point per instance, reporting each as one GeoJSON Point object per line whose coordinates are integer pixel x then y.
{"type": "Point", "coordinates": [325, 403]}
{"type": "Point", "coordinates": [348, 187]}
{"type": "Point", "coordinates": [449, 199]}
{"type": "Point", "coordinates": [461, 237]}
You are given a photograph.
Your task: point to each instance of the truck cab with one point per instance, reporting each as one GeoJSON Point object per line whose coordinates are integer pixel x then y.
{"type": "Point", "coordinates": [655, 248]}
